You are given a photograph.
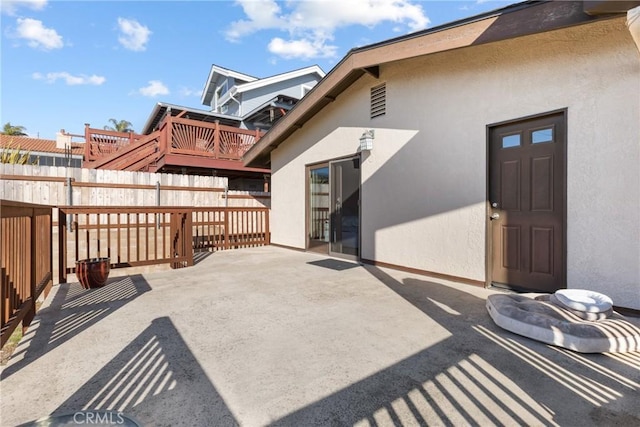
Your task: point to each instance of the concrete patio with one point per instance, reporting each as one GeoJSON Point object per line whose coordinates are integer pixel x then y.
{"type": "Point", "coordinates": [269, 336]}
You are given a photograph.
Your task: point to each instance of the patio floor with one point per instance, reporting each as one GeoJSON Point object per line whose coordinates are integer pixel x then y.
{"type": "Point", "coordinates": [269, 336]}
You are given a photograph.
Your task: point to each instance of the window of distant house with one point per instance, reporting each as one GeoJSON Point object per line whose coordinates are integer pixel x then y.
{"type": "Point", "coordinates": [224, 87]}
{"type": "Point", "coordinates": [378, 100]}
{"type": "Point", "coordinates": [220, 91]}
{"type": "Point", "coordinates": [224, 108]}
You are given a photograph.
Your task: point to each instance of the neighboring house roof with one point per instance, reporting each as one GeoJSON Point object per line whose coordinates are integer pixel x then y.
{"type": "Point", "coordinates": [245, 82]}
{"type": "Point", "coordinates": [314, 69]}
{"type": "Point", "coordinates": [260, 83]}
{"type": "Point", "coordinates": [38, 146]}
{"type": "Point", "coordinates": [263, 116]}
{"type": "Point", "coordinates": [270, 111]}
{"type": "Point", "coordinates": [210, 85]}
{"type": "Point", "coordinates": [160, 110]}
{"type": "Point", "coordinates": [526, 18]}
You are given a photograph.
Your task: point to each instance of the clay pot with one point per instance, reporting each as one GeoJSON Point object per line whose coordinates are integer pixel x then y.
{"type": "Point", "coordinates": [93, 272]}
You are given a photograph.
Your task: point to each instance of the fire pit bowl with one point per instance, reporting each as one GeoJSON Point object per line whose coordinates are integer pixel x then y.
{"type": "Point", "coordinates": [93, 272]}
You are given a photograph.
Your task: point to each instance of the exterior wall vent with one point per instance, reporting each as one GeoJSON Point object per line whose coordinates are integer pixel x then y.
{"type": "Point", "coordinates": [379, 100]}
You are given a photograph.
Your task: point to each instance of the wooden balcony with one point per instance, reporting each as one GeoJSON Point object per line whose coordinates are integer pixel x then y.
{"type": "Point", "coordinates": [176, 145]}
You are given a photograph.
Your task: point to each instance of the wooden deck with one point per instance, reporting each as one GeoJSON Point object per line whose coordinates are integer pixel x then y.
{"type": "Point", "coordinates": [177, 144]}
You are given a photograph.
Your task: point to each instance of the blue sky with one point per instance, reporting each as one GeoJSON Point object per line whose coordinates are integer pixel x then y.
{"type": "Point", "coordinates": [66, 63]}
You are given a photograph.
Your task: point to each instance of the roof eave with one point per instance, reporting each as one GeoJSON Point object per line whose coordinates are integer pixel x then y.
{"type": "Point", "coordinates": [280, 78]}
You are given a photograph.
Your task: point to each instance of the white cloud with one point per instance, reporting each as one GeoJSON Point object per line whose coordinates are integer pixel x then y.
{"type": "Point", "coordinates": [133, 35]}
{"type": "Point", "coordinates": [153, 89]}
{"type": "Point", "coordinates": [186, 92]}
{"type": "Point", "coordinates": [70, 79]}
{"type": "Point", "coordinates": [37, 35]}
{"type": "Point", "coordinates": [305, 49]}
{"type": "Point", "coordinates": [262, 14]}
{"type": "Point", "coordinates": [10, 7]}
{"type": "Point", "coordinates": [311, 24]}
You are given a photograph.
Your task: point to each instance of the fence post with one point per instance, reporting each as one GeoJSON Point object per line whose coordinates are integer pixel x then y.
{"type": "Point", "coordinates": [216, 139]}
{"type": "Point", "coordinates": [31, 311]}
{"type": "Point", "coordinates": [157, 203]}
{"type": "Point", "coordinates": [168, 133]}
{"type": "Point", "coordinates": [48, 288]}
{"type": "Point", "coordinates": [87, 144]}
{"type": "Point", "coordinates": [267, 233]}
{"type": "Point", "coordinates": [62, 246]}
{"type": "Point", "coordinates": [227, 224]}
{"type": "Point", "coordinates": [188, 237]}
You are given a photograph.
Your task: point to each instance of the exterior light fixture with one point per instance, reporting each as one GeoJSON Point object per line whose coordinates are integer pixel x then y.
{"type": "Point", "coordinates": [366, 140]}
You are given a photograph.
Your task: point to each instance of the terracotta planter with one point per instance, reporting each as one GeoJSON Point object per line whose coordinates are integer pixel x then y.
{"type": "Point", "coordinates": [93, 272]}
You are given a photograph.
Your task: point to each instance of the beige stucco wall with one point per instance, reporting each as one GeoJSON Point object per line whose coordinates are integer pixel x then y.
{"type": "Point", "coordinates": [424, 183]}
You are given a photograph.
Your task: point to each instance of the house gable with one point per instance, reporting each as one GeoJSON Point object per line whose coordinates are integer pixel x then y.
{"type": "Point", "coordinates": [424, 183]}
{"type": "Point", "coordinates": [513, 21]}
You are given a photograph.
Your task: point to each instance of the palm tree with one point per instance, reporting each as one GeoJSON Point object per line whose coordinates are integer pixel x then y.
{"type": "Point", "coordinates": [13, 130]}
{"type": "Point", "coordinates": [119, 126]}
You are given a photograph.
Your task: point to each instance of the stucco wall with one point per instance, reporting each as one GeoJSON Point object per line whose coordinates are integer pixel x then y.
{"type": "Point", "coordinates": [424, 183]}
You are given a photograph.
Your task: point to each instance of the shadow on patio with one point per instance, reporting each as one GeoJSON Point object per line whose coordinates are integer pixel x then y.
{"type": "Point", "coordinates": [73, 310]}
{"type": "Point", "coordinates": [347, 345]}
{"type": "Point", "coordinates": [481, 375]}
{"type": "Point", "coordinates": [156, 380]}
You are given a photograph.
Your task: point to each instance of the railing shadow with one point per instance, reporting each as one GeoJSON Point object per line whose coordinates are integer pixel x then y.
{"type": "Point", "coordinates": [72, 311]}
{"type": "Point", "coordinates": [479, 375]}
{"type": "Point", "coordinates": [201, 255]}
{"type": "Point", "coordinates": [157, 380]}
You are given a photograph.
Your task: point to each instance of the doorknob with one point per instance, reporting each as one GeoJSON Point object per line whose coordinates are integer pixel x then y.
{"type": "Point", "coordinates": [494, 216]}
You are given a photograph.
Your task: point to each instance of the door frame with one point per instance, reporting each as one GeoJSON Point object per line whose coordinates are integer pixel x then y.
{"type": "Point", "coordinates": [307, 202]}
{"type": "Point", "coordinates": [307, 198]}
{"type": "Point", "coordinates": [488, 222]}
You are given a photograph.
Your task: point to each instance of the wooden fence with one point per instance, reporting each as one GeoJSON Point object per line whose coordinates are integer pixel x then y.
{"type": "Point", "coordinates": [26, 262]}
{"type": "Point", "coordinates": [48, 185]}
{"type": "Point", "coordinates": [142, 236]}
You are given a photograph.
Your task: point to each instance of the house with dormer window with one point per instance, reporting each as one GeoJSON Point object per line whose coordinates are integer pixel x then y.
{"type": "Point", "coordinates": [179, 139]}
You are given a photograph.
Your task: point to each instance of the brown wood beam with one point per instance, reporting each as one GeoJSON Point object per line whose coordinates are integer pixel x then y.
{"type": "Point", "coordinates": [609, 6]}
{"type": "Point", "coordinates": [173, 160]}
{"type": "Point", "coordinates": [34, 178]}
{"type": "Point", "coordinates": [373, 71]}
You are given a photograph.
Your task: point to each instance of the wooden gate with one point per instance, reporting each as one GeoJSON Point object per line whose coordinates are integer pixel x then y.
{"type": "Point", "coordinates": [26, 262]}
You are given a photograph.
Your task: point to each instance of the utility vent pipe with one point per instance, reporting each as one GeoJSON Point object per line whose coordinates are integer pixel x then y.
{"type": "Point", "coordinates": [69, 203]}
{"type": "Point", "coordinates": [158, 203]}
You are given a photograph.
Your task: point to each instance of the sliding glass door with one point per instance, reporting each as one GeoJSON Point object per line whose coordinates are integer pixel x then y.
{"type": "Point", "coordinates": [333, 208]}
{"type": "Point", "coordinates": [344, 177]}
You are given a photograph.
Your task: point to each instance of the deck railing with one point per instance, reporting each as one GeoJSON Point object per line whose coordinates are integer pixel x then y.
{"type": "Point", "coordinates": [142, 236]}
{"type": "Point", "coordinates": [102, 143]}
{"type": "Point", "coordinates": [174, 135]}
{"type": "Point", "coordinates": [26, 262]}
{"type": "Point", "coordinates": [209, 139]}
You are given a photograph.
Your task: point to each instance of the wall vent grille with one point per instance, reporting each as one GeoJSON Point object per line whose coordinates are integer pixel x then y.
{"type": "Point", "coordinates": [379, 100]}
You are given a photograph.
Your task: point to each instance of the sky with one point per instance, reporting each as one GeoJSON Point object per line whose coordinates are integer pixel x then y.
{"type": "Point", "coordinates": [66, 63]}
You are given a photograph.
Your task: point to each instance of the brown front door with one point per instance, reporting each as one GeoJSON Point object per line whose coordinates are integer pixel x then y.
{"type": "Point", "coordinates": [527, 190]}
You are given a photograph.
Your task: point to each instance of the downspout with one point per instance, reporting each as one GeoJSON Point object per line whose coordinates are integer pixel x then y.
{"type": "Point", "coordinates": [633, 23]}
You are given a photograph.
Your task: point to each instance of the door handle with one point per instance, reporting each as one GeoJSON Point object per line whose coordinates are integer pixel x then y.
{"type": "Point", "coordinates": [494, 216]}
